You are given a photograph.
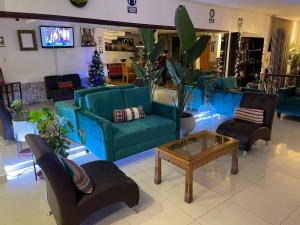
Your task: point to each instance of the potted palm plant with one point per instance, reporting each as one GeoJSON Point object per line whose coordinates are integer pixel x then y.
{"type": "Point", "coordinates": [149, 73]}
{"type": "Point", "coordinates": [182, 73]}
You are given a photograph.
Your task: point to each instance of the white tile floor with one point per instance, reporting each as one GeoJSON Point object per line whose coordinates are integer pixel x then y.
{"type": "Point", "coordinates": [266, 191]}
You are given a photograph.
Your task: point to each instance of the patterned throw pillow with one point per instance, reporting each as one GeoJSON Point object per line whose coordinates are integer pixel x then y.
{"type": "Point", "coordinates": [79, 176]}
{"type": "Point", "coordinates": [124, 115]}
{"type": "Point", "coordinates": [297, 91]}
{"type": "Point", "coordinates": [251, 115]}
{"type": "Point", "coordinates": [67, 84]}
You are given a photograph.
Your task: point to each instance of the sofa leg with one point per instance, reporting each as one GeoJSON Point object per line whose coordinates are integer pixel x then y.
{"type": "Point", "coordinates": [49, 213]}
{"type": "Point", "coordinates": [135, 209]}
{"type": "Point", "coordinates": [267, 143]}
{"type": "Point", "coordinates": [278, 115]}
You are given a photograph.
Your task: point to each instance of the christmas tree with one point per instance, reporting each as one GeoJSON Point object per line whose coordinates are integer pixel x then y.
{"type": "Point", "coordinates": [96, 71]}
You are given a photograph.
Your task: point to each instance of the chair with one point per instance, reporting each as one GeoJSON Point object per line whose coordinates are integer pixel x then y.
{"type": "Point", "coordinates": [67, 204]}
{"type": "Point", "coordinates": [6, 128]}
{"type": "Point", "coordinates": [288, 103]}
{"type": "Point", "coordinates": [59, 94]}
{"type": "Point", "coordinates": [126, 72]}
{"type": "Point", "coordinates": [247, 132]}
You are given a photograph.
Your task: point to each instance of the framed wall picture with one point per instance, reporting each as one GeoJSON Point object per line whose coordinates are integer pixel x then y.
{"type": "Point", "coordinates": [87, 37]}
{"type": "Point", "coordinates": [27, 40]}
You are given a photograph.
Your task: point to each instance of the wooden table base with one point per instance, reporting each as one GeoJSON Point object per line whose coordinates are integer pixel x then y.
{"type": "Point", "coordinates": [189, 168]}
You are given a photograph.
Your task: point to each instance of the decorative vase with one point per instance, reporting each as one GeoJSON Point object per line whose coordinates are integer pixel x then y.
{"type": "Point", "coordinates": [187, 124]}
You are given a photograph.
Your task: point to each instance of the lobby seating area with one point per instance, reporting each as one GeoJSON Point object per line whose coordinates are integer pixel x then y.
{"type": "Point", "coordinates": [149, 112]}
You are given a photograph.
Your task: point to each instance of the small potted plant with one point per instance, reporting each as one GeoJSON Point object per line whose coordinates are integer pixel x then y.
{"type": "Point", "coordinates": [21, 126]}
{"type": "Point", "coordinates": [53, 129]}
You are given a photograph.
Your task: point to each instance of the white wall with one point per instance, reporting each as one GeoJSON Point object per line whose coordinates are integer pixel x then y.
{"type": "Point", "coordinates": [32, 66]}
{"type": "Point", "coordinates": [159, 12]}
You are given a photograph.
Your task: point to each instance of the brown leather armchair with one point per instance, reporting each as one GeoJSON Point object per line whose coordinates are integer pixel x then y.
{"type": "Point", "coordinates": [67, 204]}
{"type": "Point", "coordinates": [247, 132]}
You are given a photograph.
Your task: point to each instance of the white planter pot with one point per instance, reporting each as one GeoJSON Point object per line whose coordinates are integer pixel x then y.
{"type": "Point", "coordinates": [22, 128]}
{"type": "Point", "coordinates": [187, 125]}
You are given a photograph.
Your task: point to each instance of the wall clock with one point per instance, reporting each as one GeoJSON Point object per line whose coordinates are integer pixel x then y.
{"type": "Point", "coordinates": [79, 3]}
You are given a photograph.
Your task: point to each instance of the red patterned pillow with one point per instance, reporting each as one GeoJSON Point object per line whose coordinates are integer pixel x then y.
{"type": "Point", "coordinates": [297, 91]}
{"type": "Point", "coordinates": [124, 115]}
{"type": "Point", "coordinates": [79, 176]}
{"type": "Point", "coordinates": [251, 115]}
{"type": "Point", "coordinates": [67, 84]}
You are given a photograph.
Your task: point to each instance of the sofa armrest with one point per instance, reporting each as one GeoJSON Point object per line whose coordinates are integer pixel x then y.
{"type": "Point", "coordinates": [98, 134]}
{"type": "Point", "coordinates": [164, 110]}
{"type": "Point", "coordinates": [69, 112]}
{"type": "Point", "coordinates": [286, 92]}
{"type": "Point", "coordinates": [167, 111]}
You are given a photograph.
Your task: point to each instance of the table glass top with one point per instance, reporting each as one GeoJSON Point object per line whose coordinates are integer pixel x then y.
{"type": "Point", "coordinates": [195, 144]}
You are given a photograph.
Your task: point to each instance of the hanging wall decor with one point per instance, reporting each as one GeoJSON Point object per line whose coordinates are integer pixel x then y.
{"type": "Point", "coordinates": [87, 37]}
{"type": "Point", "coordinates": [27, 40]}
{"type": "Point", "coordinates": [79, 3]}
{"type": "Point", "coordinates": [2, 43]}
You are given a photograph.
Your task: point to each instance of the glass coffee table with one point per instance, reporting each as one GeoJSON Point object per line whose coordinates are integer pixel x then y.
{"type": "Point", "coordinates": [191, 152]}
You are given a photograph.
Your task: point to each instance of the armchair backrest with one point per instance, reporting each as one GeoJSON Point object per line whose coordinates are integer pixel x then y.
{"type": "Point", "coordinates": [74, 78]}
{"type": "Point", "coordinates": [61, 190]}
{"type": "Point", "coordinates": [51, 82]}
{"type": "Point", "coordinates": [266, 102]}
{"type": "Point", "coordinates": [6, 128]}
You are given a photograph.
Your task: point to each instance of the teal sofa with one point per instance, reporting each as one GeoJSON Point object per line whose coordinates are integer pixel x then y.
{"type": "Point", "coordinates": [113, 141]}
{"type": "Point", "coordinates": [69, 111]}
{"type": "Point", "coordinates": [289, 103]}
{"type": "Point", "coordinates": [224, 101]}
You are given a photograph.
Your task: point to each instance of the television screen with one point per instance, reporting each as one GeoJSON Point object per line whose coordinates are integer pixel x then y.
{"type": "Point", "coordinates": [57, 37]}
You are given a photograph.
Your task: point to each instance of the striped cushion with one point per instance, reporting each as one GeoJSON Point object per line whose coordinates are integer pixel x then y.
{"type": "Point", "coordinates": [67, 84]}
{"type": "Point", "coordinates": [124, 115]}
{"type": "Point", "coordinates": [251, 115]}
{"type": "Point", "coordinates": [79, 176]}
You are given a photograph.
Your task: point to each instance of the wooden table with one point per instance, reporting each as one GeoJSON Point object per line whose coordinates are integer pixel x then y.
{"type": "Point", "coordinates": [193, 151]}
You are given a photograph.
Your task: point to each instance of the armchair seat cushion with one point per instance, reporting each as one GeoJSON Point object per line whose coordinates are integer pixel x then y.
{"type": "Point", "coordinates": [127, 134]}
{"type": "Point", "coordinates": [157, 126]}
{"type": "Point", "coordinates": [107, 189]}
{"type": "Point", "coordinates": [246, 132]}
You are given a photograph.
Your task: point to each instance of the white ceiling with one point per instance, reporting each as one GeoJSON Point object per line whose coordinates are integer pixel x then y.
{"type": "Point", "coordinates": [289, 9]}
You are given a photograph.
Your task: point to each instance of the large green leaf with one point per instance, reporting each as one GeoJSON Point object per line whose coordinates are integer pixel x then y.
{"type": "Point", "coordinates": [156, 52]}
{"type": "Point", "coordinates": [139, 71]}
{"type": "Point", "coordinates": [175, 77]}
{"type": "Point", "coordinates": [185, 28]}
{"type": "Point", "coordinates": [148, 38]}
{"type": "Point", "coordinates": [197, 50]}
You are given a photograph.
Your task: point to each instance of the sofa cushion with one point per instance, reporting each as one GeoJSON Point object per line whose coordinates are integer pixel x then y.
{"type": "Point", "coordinates": [251, 115]}
{"type": "Point", "coordinates": [138, 96]}
{"type": "Point", "coordinates": [129, 114]}
{"type": "Point", "coordinates": [127, 134]}
{"type": "Point", "coordinates": [80, 178]}
{"type": "Point", "coordinates": [156, 126]}
{"type": "Point", "coordinates": [103, 103]}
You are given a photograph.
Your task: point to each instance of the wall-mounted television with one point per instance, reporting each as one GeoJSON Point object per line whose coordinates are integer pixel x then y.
{"type": "Point", "coordinates": [57, 37]}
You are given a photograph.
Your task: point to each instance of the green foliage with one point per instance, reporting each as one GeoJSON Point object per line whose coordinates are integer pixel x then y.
{"type": "Point", "coordinates": [185, 29]}
{"type": "Point", "coordinates": [96, 71]}
{"type": "Point", "coordinates": [149, 74]}
{"type": "Point", "coordinates": [182, 74]}
{"type": "Point", "coordinates": [20, 110]}
{"type": "Point", "coordinates": [52, 129]}
{"type": "Point", "coordinates": [294, 59]}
